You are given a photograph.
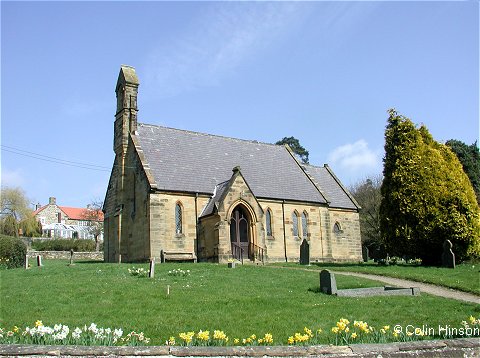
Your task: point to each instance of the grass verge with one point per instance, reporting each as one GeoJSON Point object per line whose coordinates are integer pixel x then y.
{"type": "Point", "coordinates": [239, 301]}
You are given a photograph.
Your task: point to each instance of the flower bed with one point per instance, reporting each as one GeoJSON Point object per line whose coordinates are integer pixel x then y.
{"type": "Point", "coordinates": [343, 333]}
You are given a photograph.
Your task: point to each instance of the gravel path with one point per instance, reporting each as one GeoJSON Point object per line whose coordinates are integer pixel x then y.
{"type": "Point", "coordinates": [424, 287]}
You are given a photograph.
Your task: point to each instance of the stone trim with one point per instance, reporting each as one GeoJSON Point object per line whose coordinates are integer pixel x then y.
{"type": "Point", "coordinates": [464, 347]}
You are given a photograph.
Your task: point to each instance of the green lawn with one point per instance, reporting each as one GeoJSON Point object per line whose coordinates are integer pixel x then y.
{"type": "Point", "coordinates": [240, 301]}
{"type": "Point", "coordinates": [465, 277]}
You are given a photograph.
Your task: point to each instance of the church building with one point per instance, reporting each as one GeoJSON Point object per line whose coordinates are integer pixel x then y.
{"type": "Point", "coordinates": [180, 195]}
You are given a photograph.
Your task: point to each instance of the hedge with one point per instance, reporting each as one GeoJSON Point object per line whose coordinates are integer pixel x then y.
{"type": "Point", "coordinates": [78, 245]}
{"type": "Point", "coordinates": [12, 252]}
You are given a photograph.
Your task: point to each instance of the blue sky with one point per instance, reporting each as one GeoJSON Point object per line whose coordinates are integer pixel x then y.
{"type": "Point", "coordinates": [324, 72]}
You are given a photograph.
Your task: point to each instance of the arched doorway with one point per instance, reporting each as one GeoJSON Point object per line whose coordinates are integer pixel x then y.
{"type": "Point", "coordinates": [240, 233]}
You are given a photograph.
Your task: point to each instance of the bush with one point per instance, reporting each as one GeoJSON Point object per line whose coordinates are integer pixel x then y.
{"type": "Point", "coordinates": [12, 252]}
{"type": "Point", "coordinates": [78, 245]}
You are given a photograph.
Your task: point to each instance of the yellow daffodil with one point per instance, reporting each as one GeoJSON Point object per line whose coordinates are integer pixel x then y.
{"type": "Point", "coordinates": [290, 340]}
{"type": "Point", "coordinates": [236, 341]}
{"type": "Point", "coordinates": [268, 338]}
{"type": "Point", "coordinates": [38, 323]}
{"type": "Point", "coordinates": [354, 335]}
{"type": "Point", "coordinates": [203, 335]}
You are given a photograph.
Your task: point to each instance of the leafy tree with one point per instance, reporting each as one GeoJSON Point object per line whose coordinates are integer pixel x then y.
{"type": "Point", "coordinates": [369, 196]}
{"type": "Point", "coordinates": [94, 216]}
{"type": "Point", "coordinates": [30, 226]}
{"type": "Point", "coordinates": [14, 208]}
{"type": "Point", "coordinates": [469, 156]}
{"type": "Point", "coordinates": [426, 196]}
{"type": "Point", "coordinates": [296, 147]}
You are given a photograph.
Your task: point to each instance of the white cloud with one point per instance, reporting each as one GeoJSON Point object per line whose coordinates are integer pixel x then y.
{"type": "Point", "coordinates": [355, 157]}
{"type": "Point", "coordinates": [226, 36]}
{"type": "Point", "coordinates": [12, 178]}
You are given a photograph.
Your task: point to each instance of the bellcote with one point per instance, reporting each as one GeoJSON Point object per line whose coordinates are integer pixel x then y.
{"type": "Point", "coordinates": [127, 88]}
{"type": "Point", "coordinates": [126, 113]}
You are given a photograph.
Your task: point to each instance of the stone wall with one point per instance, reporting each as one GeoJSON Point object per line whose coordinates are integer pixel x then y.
{"type": "Point", "coordinates": [65, 255]}
{"type": "Point", "coordinates": [462, 347]}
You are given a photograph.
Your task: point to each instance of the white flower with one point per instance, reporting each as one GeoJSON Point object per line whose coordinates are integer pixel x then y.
{"type": "Point", "coordinates": [76, 333]}
{"type": "Point", "coordinates": [117, 332]}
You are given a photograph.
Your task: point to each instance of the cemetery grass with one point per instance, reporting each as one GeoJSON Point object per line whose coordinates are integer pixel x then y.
{"type": "Point", "coordinates": [242, 301]}
{"type": "Point", "coordinates": [465, 277]}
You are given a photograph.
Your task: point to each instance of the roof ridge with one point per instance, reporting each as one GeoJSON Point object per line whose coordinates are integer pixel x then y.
{"type": "Point", "coordinates": [211, 135]}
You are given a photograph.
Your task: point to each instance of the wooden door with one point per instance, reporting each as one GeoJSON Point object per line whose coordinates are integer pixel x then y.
{"type": "Point", "coordinates": [239, 229]}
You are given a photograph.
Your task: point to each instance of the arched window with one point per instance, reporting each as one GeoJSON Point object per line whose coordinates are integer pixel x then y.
{"type": "Point", "coordinates": [304, 225]}
{"type": "Point", "coordinates": [295, 223]}
{"type": "Point", "coordinates": [268, 222]}
{"type": "Point", "coordinates": [337, 229]}
{"type": "Point", "coordinates": [178, 218]}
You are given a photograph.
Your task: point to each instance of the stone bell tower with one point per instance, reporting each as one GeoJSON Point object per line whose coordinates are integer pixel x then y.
{"type": "Point", "coordinates": [125, 123]}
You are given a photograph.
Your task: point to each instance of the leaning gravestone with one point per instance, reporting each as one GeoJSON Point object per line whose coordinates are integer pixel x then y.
{"type": "Point", "coordinates": [328, 284]}
{"type": "Point", "coordinates": [448, 257]}
{"type": "Point", "coordinates": [305, 253]}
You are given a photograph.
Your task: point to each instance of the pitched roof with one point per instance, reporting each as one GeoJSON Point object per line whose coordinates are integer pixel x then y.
{"type": "Point", "coordinates": [337, 195]}
{"type": "Point", "coordinates": [72, 213]}
{"type": "Point", "coordinates": [77, 213]}
{"type": "Point", "coordinates": [187, 161]}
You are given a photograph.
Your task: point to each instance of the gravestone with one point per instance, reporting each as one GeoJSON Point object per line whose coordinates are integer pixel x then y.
{"type": "Point", "coordinates": [448, 257]}
{"type": "Point", "coordinates": [365, 254]}
{"type": "Point", "coordinates": [26, 262]}
{"type": "Point", "coordinates": [151, 272]}
{"type": "Point", "coordinates": [305, 253]}
{"type": "Point", "coordinates": [39, 260]}
{"type": "Point", "coordinates": [71, 258]}
{"type": "Point", "coordinates": [328, 284]}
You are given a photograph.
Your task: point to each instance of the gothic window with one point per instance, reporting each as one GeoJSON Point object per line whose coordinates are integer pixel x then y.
{"type": "Point", "coordinates": [304, 225]}
{"type": "Point", "coordinates": [295, 223]}
{"type": "Point", "coordinates": [337, 229]}
{"type": "Point", "coordinates": [178, 219]}
{"type": "Point", "coordinates": [268, 222]}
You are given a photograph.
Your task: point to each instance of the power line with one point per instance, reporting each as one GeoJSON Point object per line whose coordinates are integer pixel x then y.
{"type": "Point", "coordinates": [50, 159]}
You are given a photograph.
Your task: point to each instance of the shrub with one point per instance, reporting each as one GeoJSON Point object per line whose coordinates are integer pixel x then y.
{"type": "Point", "coordinates": [12, 252]}
{"type": "Point", "coordinates": [77, 245]}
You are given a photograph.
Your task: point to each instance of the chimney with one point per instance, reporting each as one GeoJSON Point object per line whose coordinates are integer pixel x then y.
{"type": "Point", "coordinates": [38, 206]}
{"type": "Point", "coordinates": [52, 201]}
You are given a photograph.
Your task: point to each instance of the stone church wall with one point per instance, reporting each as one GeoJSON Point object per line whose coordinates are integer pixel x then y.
{"type": "Point", "coordinates": [163, 235]}
{"type": "Point", "coordinates": [346, 244]}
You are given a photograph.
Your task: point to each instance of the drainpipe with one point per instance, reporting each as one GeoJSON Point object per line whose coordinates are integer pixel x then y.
{"type": "Point", "coordinates": [196, 226]}
{"type": "Point", "coordinates": [284, 233]}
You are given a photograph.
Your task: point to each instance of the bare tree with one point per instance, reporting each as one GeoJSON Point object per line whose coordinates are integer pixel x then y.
{"type": "Point", "coordinates": [93, 215]}
{"type": "Point", "coordinates": [368, 195]}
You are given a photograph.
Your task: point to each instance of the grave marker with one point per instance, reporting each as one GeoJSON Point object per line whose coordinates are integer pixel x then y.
{"type": "Point", "coordinates": [71, 258]}
{"type": "Point", "coordinates": [151, 272]}
{"type": "Point", "coordinates": [39, 260]}
{"type": "Point", "coordinates": [305, 253]}
{"type": "Point", "coordinates": [328, 284]}
{"type": "Point", "coordinates": [448, 257]}
{"type": "Point", "coordinates": [365, 253]}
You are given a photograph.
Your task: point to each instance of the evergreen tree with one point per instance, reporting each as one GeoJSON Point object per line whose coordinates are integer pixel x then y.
{"type": "Point", "coordinates": [296, 147]}
{"type": "Point", "coordinates": [426, 196]}
{"type": "Point", "coordinates": [469, 156]}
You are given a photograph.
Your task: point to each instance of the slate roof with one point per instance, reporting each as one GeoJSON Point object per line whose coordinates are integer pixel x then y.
{"type": "Point", "coordinates": [195, 162]}
{"type": "Point", "coordinates": [334, 191]}
{"type": "Point", "coordinates": [219, 190]}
